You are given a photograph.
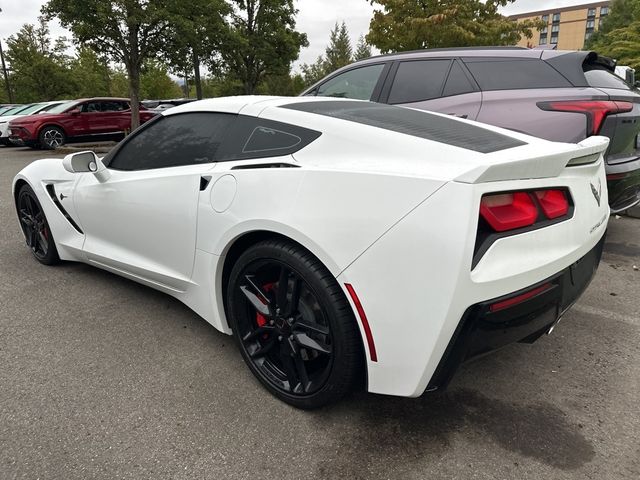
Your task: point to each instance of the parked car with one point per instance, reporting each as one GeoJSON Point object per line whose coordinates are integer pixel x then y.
{"type": "Point", "coordinates": [336, 239]}
{"type": "Point", "coordinates": [77, 120]}
{"type": "Point", "coordinates": [31, 110]}
{"type": "Point", "coordinates": [563, 96]}
{"type": "Point", "coordinates": [6, 108]}
{"type": "Point", "coordinates": [12, 110]}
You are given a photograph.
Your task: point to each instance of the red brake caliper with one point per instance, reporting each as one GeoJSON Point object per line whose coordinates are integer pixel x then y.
{"type": "Point", "coordinates": [260, 319]}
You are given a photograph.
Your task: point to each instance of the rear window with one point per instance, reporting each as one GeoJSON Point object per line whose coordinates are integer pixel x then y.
{"type": "Point", "coordinates": [511, 74]}
{"type": "Point", "coordinates": [600, 78]}
{"type": "Point", "coordinates": [412, 122]}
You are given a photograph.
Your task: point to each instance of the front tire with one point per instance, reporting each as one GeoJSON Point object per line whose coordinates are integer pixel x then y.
{"type": "Point", "coordinates": [35, 227]}
{"type": "Point", "coordinates": [293, 324]}
{"type": "Point", "coordinates": [51, 137]}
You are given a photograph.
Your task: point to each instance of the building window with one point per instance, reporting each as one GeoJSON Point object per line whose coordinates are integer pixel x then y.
{"type": "Point", "coordinates": [591, 13]}
{"type": "Point", "coordinates": [545, 18]}
{"type": "Point", "coordinates": [587, 36]}
{"type": "Point", "coordinates": [556, 18]}
{"type": "Point", "coordinates": [554, 39]}
{"type": "Point", "coordinates": [543, 40]}
{"type": "Point", "coordinates": [591, 24]}
{"type": "Point", "coordinates": [555, 28]}
{"type": "Point", "coordinates": [604, 11]}
{"type": "Point", "coordinates": [544, 31]}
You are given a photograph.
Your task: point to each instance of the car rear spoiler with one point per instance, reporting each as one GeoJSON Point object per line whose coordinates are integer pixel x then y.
{"type": "Point", "coordinates": [572, 65]}
{"type": "Point", "coordinates": [519, 163]}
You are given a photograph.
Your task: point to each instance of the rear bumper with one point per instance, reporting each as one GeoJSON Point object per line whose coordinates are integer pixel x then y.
{"type": "Point", "coordinates": [623, 183]}
{"type": "Point", "coordinates": [482, 330]}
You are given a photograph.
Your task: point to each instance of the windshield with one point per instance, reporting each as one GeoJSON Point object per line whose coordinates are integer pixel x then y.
{"type": "Point", "coordinates": [16, 110]}
{"type": "Point", "coordinates": [63, 107]}
{"type": "Point", "coordinates": [32, 109]}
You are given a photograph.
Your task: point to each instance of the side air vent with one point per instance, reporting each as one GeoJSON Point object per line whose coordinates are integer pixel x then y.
{"type": "Point", "coordinates": [52, 193]}
{"type": "Point", "coordinates": [264, 165]}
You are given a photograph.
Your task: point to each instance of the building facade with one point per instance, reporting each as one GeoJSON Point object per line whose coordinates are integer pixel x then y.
{"type": "Point", "coordinates": [567, 28]}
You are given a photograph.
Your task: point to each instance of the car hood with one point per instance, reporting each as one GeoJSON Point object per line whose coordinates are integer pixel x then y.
{"type": "Point", "coordinates": [36, 117]}
{"type": "Point", "coordinates": [9, 118]}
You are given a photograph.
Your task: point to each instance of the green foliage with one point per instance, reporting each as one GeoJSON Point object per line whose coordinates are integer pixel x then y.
{"type": "Point", "coordinates": [619, 34]}
{"type": "Point", "coordinates": [197, 32]}
{"type": "Point", "coordinates": [262, 41]}
{"type": "Point", "coordinates": [156, 84]}
{"type": "Point", "coordinates": [39, 71]}
{"type": "Point", "coordinates": [338, 53]}
{"type": "Point", "coordinates": [285, 85]}
{"type": "Point", "coordinates": [127, 31]}
{"type": "Point", "coordinates": [314, 72]}
{"type": "Point", "coordinates": [363, 49]}
{"type": "Point", "coordinates": [90, 74]}
{"type": "Point", "coordinates": [415, 24]}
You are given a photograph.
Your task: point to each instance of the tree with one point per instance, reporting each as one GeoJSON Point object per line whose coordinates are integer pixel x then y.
{"type": "Point", "coordinates": [363, 49]}
{"type": "Point", "coordinates": [338, 53]}
{"type": "Point", "coordinates": [262, 41]}
{"type": "Point", "coordinates": [416, 24]}
{"type": "Point", "coordinates": [155, 82]}
{"type": "Point", "coordinates": [90, 74]}
{"type": "Point", "coordinates": [314, 72]}
{"type": "Point", "coordinates": [198, 30]}
{"type": "Point", "coordinates": [128, 31]}
{"type": "Point", "coordinates": [619, 35]}
{"type": "Point", "coordinates": [39, 69]}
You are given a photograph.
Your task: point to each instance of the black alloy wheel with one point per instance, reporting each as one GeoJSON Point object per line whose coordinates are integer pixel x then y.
{"type": "Point", "coordinates": [35, 228]}
{"type": "Point", "coordinates": [295, 329]}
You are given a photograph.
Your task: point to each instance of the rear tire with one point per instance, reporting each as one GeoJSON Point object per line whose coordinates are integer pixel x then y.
{"type": "Point", "coordinates": [35, 227]}
{"type": "Point", "coordinates": [304, 346]}
{"type": "Point", "coordinates": [51, 137]}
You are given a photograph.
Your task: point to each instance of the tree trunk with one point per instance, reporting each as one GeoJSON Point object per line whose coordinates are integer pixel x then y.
{"type": "Point", "coordinates": [196, 75]}
{"type": "Point", "coordinates": [134, 93]}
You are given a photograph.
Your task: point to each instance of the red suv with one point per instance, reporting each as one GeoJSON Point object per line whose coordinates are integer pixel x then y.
{"type": "Point", "coordinates": [77, 120]}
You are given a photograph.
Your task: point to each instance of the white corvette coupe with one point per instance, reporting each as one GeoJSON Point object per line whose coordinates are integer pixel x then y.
{"type": "Point", "coordinates": [337, 240]}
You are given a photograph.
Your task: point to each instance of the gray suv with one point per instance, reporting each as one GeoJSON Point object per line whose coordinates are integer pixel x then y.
{"type": "Point", "coordinates": [563, 96]}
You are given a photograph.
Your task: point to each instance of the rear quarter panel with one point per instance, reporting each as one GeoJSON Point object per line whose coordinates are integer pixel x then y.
{"type": "Point", "coordinates": [517, 110]}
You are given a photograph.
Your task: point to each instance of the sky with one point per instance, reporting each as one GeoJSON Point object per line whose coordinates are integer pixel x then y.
{"type": "Point", "coordinates": [315, 18]}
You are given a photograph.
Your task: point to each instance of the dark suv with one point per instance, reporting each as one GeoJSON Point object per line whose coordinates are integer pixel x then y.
{"type": "Point", "coordinates": [563, 96]}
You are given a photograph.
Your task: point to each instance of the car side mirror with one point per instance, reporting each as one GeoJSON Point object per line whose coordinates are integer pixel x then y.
{"type": "Point", "coordinates": [84, 162]}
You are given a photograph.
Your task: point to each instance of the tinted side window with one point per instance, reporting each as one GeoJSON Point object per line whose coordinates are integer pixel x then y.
{"type": "Point", "coordinates": [458, 82]}
{"type": "Point", "coordinates": [252, 137]}
{"type": "Point", "coordinates": [357, 83]}
{"type": "Point", "coordinates": [494, 74]}
{"type": "Point", "coordinates": [174, 140]}
{"type": "Point", "coordinates": [418, 80]}
{"type": "Point", "coordinates": [91, 107]}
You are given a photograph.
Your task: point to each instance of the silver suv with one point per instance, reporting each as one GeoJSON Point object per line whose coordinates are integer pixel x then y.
{"type": "Point", "coordinates": [563, 96]}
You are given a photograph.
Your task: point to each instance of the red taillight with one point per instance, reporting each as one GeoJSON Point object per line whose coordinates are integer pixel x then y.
{"type": "Point", "coordinates": [510, 302]}
{"type": "Point", "coordinates": [617, 176]}
{"type": "Point", "coordinates": [512, 210]}
{"type": "Point", "coordinates": [554, 203]}
{"type": "Point", "coordinates": [508, 211]}
{"type": "Point", "coordinates": [595, 110]}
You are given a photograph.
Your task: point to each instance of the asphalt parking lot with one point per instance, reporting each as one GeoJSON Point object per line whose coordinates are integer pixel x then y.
{"type": "Point", "coordinates": [104, 378]}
